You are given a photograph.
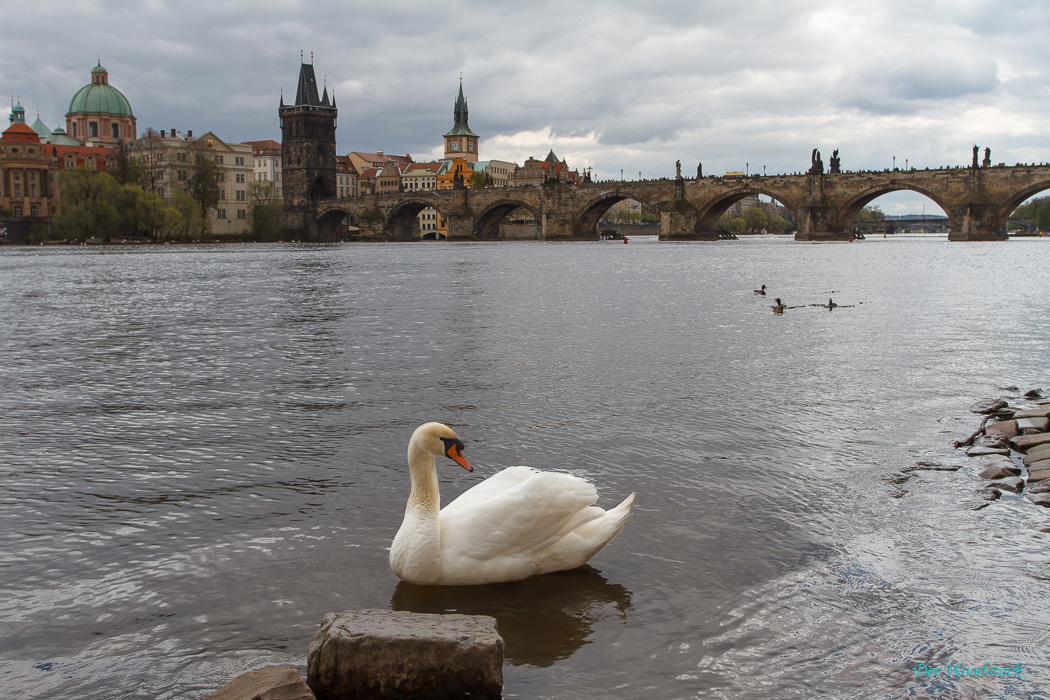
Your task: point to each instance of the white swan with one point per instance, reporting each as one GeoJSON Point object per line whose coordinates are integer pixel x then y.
{"type": "Point", "coordinates": [519, 523]}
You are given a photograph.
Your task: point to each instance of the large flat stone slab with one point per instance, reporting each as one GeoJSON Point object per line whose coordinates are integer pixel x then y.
{"type": "Point", "coordinates": [274, 683]}
{"type": "Point", "coordinates": [1026, 442]}
{"type": "Point", "coordinates": [1039, 474]}
{"type": "Point", "coordinates": [388, 654]}
{"type": "Point", "coordinates": [999, 471]}
{"type": "Point", "coordinates": [1032, 425]}
{"type": "Point", "coordinates": [1036, 453]}
{"type": "Point", "coordinates": [980, 451]}
{"type": "Point", "coordinates": [1041, 412]}
{"type": "Point", "coordinates": [1006, 428]}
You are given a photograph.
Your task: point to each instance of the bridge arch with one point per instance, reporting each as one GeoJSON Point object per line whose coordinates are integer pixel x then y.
{"type": "Point", "coordinates": [585, 221]}
{"type": "Point", "coordinates": [334, 223]}
{"type": "Point", "coordinates": [848, 211]}
{"type": "Point", "coordinates": [402, 222]}
{"type": "Point", "coordinates": [487, 222]}
{"type": "Point", "coordinates": [1002, 215]}
{"type": "Point", "coordinates": [713, 210]}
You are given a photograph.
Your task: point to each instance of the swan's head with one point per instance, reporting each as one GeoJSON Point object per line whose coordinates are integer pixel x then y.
{"type": "Point", "coordinates": [439, 439]}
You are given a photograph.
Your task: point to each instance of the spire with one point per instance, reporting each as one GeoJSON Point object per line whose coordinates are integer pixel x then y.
{"type": "Point", "coordinates": [459, 114]}
{"type": "Point", "coordinates": [306, 93]}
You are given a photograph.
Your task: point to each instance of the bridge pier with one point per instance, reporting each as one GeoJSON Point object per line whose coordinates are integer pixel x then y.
{"type": "Point", "coordinates": [556, 225]}
{"type": "Point", "coordinates": [973, 218]}
{"type": "Point", "coordinates": [680, 220]}
{"type": "Point", "coordinates": [817, 221]}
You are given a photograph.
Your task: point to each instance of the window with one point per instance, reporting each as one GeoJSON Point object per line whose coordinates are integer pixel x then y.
{"type": "Point", "coordinates": [33, 211]}
{"type": "Point", "coordinates": [93, 129]}
{"type": "Point", "coordinates": [74, 129]}
{"type": "Point", "coordinates": [238, 160]}
{"type": "Point", "coordinates": [242, 214]}
{"type": "Point", "coordinates": [240, 196]}
{"type": "Point", "coordinates": [181, 157]}
{"type": "Point", "coordinates": [218, 159]}
{"type": "Point", "coordinates": [240, 177]}
{"type": "Point", "coordinates": [220, 213]}
{"type": "Point", "coordinates": [222, 194]}
{"type": "Point", "coordinates": [18, 209]}
{"type": "Point", "coordinates": [180, 174]}
{"type": "Point", "coordinates": [115, 129]}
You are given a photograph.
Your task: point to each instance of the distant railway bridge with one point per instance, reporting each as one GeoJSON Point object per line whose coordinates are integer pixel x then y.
{"type": "Point", "coordinates": [978, 202]}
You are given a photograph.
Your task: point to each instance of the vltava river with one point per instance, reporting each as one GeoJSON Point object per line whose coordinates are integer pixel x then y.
{"type": "Point", "coordinates": [202, 451]}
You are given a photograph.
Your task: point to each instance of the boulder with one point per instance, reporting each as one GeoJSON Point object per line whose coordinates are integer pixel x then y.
{"type": "Point", "coordinates": [1028, 426]}
{"type": "Point", "coordinates": [1039, 474]}
{"type": "Point", "coordinates": [989, 493]}
{"type": "Point", "coordinates": [1040, 499]}
{"type": "Point", "coordinates": [275, 683]}
{"type": "Point", "coordinates": [986, 406]}
{"type": "Point", "coordinates": [1036, 454]}
{"type": "Point", "coordinates": [1033, 394]}
{"type": "Point", "coordinates": [1005, 428]}
{"type": "Point", "coordinates": [981, 451]}
{"type": "Point", "coordinates": [999, 471]}
{"type": "Point", "coordinates": [1013, 484]}
{"type": "Point", "coordinates": [1039, 486]}
{"type": "Point", "coordinates": [995, 440]}
{"type": "Point", "coordinates": [1040, 412]}
{"type": "Point", "coordinates": [388, 654]}
{"type": "Point", "coordinates": [1027, 442]}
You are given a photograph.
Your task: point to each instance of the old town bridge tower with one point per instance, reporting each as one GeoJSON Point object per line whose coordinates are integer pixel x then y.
{"type": "Point", "coordinates": [307, 153]}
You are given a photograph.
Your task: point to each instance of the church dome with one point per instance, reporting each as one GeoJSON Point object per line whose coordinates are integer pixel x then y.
{"type": "Point", "coordinates": [99, 97]}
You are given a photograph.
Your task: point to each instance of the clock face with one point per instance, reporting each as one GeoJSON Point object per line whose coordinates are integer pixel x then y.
{"type": "Point", "coordinates": [455, 145]}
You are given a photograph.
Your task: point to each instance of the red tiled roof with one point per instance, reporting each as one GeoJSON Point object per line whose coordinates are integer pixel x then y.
{"type": "Point", "coordinates": [21, 132]}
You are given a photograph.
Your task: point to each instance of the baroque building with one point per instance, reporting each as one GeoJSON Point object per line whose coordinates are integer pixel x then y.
{"type": "Point", "coordinates": [308, 160]}
{"type": "Point", "coordinates": [99, 114]}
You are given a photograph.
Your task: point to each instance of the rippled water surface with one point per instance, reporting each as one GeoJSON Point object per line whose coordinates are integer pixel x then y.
{"type": "Point", "coordinates": [202, 451]}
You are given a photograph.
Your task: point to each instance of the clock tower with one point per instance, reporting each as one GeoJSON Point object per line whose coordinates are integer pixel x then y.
{"type": "Point", "coordinates": [461, 142]}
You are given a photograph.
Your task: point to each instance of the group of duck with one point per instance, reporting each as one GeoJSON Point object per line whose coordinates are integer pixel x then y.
{"type": "Point", "coordinates": [779, 307]}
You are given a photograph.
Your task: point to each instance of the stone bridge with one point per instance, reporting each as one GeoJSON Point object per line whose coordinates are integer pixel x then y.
{"type": "Point", "coordinates": [978, 202]}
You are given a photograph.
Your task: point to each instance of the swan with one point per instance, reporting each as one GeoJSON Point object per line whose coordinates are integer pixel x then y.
{"type": "Point", "coordinates": [779, 308]}
{"type": "Point", "coordinates": [519, 523]}
{"type": "Point", "coordinates": [761, 291]}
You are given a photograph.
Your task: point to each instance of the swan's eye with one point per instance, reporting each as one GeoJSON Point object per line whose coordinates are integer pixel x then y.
{"type": "Point", "coordinates": [453, 442]}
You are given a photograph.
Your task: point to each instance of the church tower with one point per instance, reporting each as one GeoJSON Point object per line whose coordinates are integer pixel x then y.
{"type": "Point", "coordinates": [307, 152]}
{"type": "Point", "coordinates": [461, 142]}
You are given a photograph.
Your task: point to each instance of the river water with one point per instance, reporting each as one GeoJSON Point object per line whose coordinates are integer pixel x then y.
{"type": "Point", "coordinates": [202, 451]}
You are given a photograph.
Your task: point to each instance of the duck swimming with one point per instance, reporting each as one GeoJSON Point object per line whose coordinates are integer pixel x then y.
{"type": "Point", "coordinates": [761, 291]}
{"type": "Point", "coordinates": [779, 307]}
{"type": "Point", "coordinates": [518, 523]}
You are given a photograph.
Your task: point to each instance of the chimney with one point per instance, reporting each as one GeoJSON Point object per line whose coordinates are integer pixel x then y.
{"type": "Point", "coordinates": [189, 133]}
{"type": "Point", "coordinates": [162, 134]}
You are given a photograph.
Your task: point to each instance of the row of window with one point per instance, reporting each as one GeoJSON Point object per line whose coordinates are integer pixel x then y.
{"type": "Point", "coordinates": [221, 213]}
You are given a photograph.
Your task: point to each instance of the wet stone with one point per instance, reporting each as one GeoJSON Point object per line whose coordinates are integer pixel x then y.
{"type": "Point", "coordinates": [1027, 442]}
{"type": "Point", "coordinates": [989, 493]}
{"type": "Point", "coordinates": [1033, 394]}
{"type": "Point", "coordinates": [1005, 413]}
{"type": "Point", "coordinates": [1041, 412]}
{"type": "Point", "coordinates": [997, 441]}
{"type": "Point", "coordinates": [1035, 454]}
{"type": "Point", "coordinates": [276, 683]}
{"type": "Point", "coordinates": [980, 451]}
{"type": "Point", "coordinates": [986, 406]}
{"type": "Point", "coordinates": [1040, 499]}
{"type": "Point", "coordinates": [1035, 425]}
{"type": "Point", "coordinates": [999, 472]}
{"type": "Point", "coordinates": [1039, 474]}
{"type": "Point", "coordinates": [1013, 484]}
{"type": "Point", "coordinates": [1040, 487]}
{"type": "Point", "coordinates": [1006, 428]}
{"type": "Point", "coordinates": [390, 654]}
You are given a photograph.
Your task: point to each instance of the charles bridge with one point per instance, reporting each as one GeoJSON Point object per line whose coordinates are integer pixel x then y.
{"type": "Point", "coordinates": [977, 200]}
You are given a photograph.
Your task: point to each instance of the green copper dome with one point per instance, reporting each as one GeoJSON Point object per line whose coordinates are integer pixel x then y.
{"type": "Point", "coordinates": [100, 97]}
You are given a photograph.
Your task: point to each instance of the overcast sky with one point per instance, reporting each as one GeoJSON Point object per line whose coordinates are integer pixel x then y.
{"type": "Point", "coordinates": [614, 86]}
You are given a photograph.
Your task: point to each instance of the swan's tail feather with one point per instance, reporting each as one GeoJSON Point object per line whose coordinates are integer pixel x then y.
{"type": "Point", "coordinates": [622, 513]}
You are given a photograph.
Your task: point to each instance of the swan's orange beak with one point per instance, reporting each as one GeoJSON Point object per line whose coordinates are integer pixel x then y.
{"type": "Point", "coordinates": [454, 452]}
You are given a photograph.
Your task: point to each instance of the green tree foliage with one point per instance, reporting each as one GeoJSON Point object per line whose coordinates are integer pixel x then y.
{"type": "Point", "coordinates": [870, 213]}
{"type": "Point", "coordinates": [203, 183]}
{"type": "Point", "coordinates": [266, 211]}
{"type": "Point", "coordinates": [192, 224]}
{"type": "Point", "coordinates": [1038, 209]}
{"type": "Point", "coordinates": [96, 205]}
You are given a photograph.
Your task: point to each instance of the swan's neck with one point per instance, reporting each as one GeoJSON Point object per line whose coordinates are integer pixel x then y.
{"type": "Point", "coordinates": [415, 554]}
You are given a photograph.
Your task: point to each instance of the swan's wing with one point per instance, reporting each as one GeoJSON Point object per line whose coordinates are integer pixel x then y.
{"type": "Point", "coordinates": [523, 511]}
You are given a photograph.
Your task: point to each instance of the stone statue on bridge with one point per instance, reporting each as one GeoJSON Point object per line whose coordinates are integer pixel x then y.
{"type": "Point", "coordinates": [816, 166]}
{"type": "Point", "coordinates": [678, 170]}
{"type": "Point", "coordinates": [975, 149]}
{"type": "Point", "coordinates": [834, 165]}
{"type": "Point", "coordinates": [699, 171]}
{"type": "Point", "coordinates": [987, 162]}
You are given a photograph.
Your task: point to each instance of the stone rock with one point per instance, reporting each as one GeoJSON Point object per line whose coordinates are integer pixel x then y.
{"type": "Point", "coordinates": [388, 654]}
{"type": "Point", "coordinates": [1013, 484]}
{"type": "Point", "coordinates": [1033, 394]}
{"type": "Point", "coordinates": [275, 683]}
{"type": "Point", "coordinates": [1036, 454]}
{"type": "Point", "coordinates": [1005, 413]}
{"type": "Point", "coordinates": [981, 451]}
{"type": "Point", "coordinates": [989, 493]}
{"type": "Point", "coordinates": [1027, 442]}
{"type": "Point", "coordinates": [1039, 474]}
{"type": "Point", "coordinates": [1005, 428]}
{"type": "Point", "coordinates": [1040, 487]}
{"type": "Point", "coordinates": [1041, 412]}
{"type": "Point", "coordinates": [1001, 471]}
{"type": "Point", "coordinates": [1040, 499]}
{"type": "Point", "coordinates": [994, 440]}
{"type": "Point", "coordinates": [986, 406]}
{"type": "Point", "coordinates": [1032, 425]}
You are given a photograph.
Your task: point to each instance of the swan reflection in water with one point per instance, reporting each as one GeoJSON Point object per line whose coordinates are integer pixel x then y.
{"type": "Point", "coordinates": [542, 619]}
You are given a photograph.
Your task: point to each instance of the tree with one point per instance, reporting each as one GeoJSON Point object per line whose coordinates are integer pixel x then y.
{"type": "Point", "coordinates": [91, 205]}
{"type": "Point", "coordinates": [870, 213]}
{"type": "Point", "coordinates": [203, 181]}
{"type": "Point", "coordinates": [191, 223]}
{"type": "Point", "coordinates": [150, 153]}
{"type": "Point", "coordinates": [480, 179]}
{"type": "Point", "coordinates": [755, 219]}
{"type": "Point", "coordinates": [266, 212]}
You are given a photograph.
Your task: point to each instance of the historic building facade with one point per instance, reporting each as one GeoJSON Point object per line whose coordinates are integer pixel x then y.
{"type": "Point", "coordinates": [307, 152]}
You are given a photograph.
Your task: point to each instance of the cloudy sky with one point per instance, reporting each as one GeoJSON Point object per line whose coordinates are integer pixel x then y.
{"type": "Point", "coordinates": [614, 86]}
